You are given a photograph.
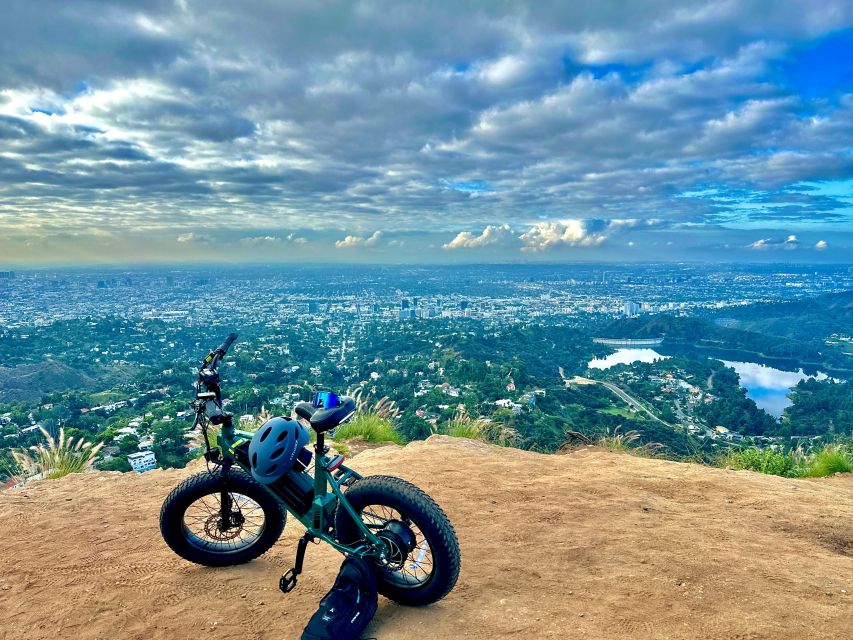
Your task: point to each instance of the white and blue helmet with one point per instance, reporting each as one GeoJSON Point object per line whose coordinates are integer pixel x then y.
{"type": "Point", "coordinates": [274, 447]}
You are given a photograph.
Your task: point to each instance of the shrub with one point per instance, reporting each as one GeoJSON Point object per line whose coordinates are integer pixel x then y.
{"type": "Point", "coordinates": [624, 441]}
{"type": "Point", "coordinates": [618, 440]}
{"type": "Point", "coordinates": [761, 460]}
{"type": "Point", "coordinates": [822, 462]}
{"type": "Point", "coordinates": [826, 462]}
{"type": "Point", "coordinates": [384, 407]}
{"type": "Point", "coordinates": [59, 458]}
{"type": "Point", "coordinates": [463, 425]}
{"type": "Point", "coordinates": [370, 427]}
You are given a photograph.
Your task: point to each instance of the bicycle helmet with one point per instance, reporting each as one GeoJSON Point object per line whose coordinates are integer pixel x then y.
{"type": "Point", "coordinates": [274, 447]}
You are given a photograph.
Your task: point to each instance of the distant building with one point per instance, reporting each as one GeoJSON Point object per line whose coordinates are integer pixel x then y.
{"type": "Point", "coordinates": [7, 275]}
{"type": "Point", "coordinates": [142, 461]}
{"type": "Point", "coordinates": [404, 303]}
{"type": "Point", "coordinates": [630, 309]}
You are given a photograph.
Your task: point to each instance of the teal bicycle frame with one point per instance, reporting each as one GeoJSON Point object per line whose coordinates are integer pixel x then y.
{"type": "Point", "coordinates": [319, 520]}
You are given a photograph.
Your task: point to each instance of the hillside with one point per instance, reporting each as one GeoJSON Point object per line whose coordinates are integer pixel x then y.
{"type": "Point", "coordinates": [592, 544]}
{"type": "Point", "coordinates": [797, 331]}
{"type": "Point", "coordinates": [30, 382]}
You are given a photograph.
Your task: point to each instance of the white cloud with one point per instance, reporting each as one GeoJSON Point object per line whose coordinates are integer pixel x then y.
{"type": "Point", "coordinates": [195, 238]}
{"type": "Point", "coordinates": [503, 70]}
{"type": "Point", "coordinates": [270, 240]}
{"type": "Point", "coordinates": [820, 245]}
{"type": "Point", "coordinates": [350, 242]}
{"type": "Point", "coordinates": [543, 236]}
{"type": "Point", "coordinates": [764, 244]}
{"type": "Point", "coordinates": [491, 235]}
{"type": "Point", "coordinates": [186, 123]}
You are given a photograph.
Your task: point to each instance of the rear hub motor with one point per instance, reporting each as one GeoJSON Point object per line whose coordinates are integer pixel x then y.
{"type": "Point", "coordinates": [400, 541]}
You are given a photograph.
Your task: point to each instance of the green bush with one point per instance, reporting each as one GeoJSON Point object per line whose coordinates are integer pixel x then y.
{"type": "Point", "coordinates": [463, 425]}
{"type": "Point", "coordinates": [822, 462]}
{"type": "Point", "coordinates": [59, 457]}
{"type": "Point", "coordinates": [761, 460]}
{"type": "Point", "coordinates": [370, 427]}
{"type": "Point", "coordinates": [825, 462]}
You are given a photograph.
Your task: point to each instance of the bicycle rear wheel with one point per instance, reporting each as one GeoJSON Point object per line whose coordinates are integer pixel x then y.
{"type": "Point", "coordinates": [424, 560]}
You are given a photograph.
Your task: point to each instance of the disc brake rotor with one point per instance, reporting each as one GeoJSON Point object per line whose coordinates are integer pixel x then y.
{"type": "Point", "coordinates": [214, 528]}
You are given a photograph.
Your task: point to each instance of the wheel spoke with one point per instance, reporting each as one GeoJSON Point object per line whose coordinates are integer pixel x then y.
{"type": "Point", "coordinates": [417, 566]}
{"type": "Point", "coordinates": [204, 526]}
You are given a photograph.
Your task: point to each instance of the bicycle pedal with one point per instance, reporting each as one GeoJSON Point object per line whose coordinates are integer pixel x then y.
{"type": "Point", "coordinates": [287, 582]}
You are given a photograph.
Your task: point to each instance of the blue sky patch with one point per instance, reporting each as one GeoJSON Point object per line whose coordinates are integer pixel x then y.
{"type": "Point", "coordinates": [823, 69]}
{"type": "Point", "coordinates": [468, 186]}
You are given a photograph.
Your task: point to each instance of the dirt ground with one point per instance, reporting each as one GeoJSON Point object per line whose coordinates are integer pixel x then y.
{"type": "Point", "coordinates": [592, 544]}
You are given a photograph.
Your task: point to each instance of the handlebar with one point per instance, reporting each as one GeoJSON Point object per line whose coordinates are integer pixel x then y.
{"type": "Point", "coordinates": [223, 348]}
{"type": "Point", "coordinates": [217, 354]}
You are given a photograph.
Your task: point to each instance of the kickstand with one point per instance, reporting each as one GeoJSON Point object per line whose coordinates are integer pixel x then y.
{"type": "Point", "coordinates": [287, 582]}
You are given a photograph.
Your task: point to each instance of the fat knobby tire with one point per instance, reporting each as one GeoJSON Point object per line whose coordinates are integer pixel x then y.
{"type": "Point", "coordinates": [434, 524]}
{"type": "Point", "coordinates": [207, 483]}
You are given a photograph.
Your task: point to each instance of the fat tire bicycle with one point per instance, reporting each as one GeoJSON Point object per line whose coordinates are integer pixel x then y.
{"type": "Point", "coordinates": [223, 516]}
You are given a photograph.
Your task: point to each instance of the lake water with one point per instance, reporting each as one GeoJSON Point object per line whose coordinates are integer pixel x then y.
{"type": "Point", "coordinates": [626, 356]}
{"type": "Point", "coordinates": [767, 386]}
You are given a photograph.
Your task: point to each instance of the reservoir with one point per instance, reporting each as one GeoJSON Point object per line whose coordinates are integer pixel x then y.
{"type": "Point", "coordinates": [626, 356]}
{"type": "Point", "coordinates": [768, 386]}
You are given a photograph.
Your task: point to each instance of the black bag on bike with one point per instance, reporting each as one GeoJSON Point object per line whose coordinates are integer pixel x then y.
{"type": "Point", "coordinates": [350, 605]}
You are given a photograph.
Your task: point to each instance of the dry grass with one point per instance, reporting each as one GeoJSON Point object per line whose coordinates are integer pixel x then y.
{"type": "Point", "coordinates": [463, 425]}
{"type": "Point", "coordinates": [58, 457]}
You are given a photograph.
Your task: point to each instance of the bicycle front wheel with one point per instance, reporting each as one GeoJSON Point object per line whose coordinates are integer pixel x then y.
{"type": "Point", "coordinates": [197, 528]}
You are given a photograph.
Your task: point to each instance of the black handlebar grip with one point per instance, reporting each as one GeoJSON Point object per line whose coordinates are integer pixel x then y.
{"type": "Point", "coordinates": [223, 348]}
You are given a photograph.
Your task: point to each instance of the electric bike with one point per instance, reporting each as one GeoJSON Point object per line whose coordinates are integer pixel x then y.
{"type": "Point", "coordinates": [223, 516]}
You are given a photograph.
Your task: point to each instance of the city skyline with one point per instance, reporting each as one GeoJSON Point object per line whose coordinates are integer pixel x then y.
{"type": "Point", "coordinates": [375, 132]}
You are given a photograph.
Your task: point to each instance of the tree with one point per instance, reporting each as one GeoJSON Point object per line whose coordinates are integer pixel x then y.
{"type": "Point", "coordinates": [170, 446]}
{"type": "Point", "coordinates": [128, 444]}
{"type": "Point", "coordinates": [413, 427]}
{"type": "Point", "coordinates": [115, 464]}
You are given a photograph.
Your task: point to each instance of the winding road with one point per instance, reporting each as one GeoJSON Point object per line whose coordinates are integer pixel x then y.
{"type": "Point", "coordinates": [631, 401]}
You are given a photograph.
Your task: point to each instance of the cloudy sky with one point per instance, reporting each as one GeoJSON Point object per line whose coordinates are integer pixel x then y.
{"type": "Point", "coordinates": [373, 131]}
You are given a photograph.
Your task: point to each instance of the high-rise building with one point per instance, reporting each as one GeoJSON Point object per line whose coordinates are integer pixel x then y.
{"type": "Point", "coordinates": [404, 303]}
{"type": "Point", "coordinates": [630, 308]}
{"type": "Point", "coordinates": [7, 275]}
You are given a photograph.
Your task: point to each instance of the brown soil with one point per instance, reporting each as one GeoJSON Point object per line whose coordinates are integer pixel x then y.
{"type": "Point", "coordinates": [592, 544]}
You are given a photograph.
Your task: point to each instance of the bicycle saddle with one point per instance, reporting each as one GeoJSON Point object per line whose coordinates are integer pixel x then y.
{"type": "Point", "coordinates": [322, 419]}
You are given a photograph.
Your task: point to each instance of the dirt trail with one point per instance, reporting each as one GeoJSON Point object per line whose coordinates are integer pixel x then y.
{"type": "Point", "coordinates": [592, 544]}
